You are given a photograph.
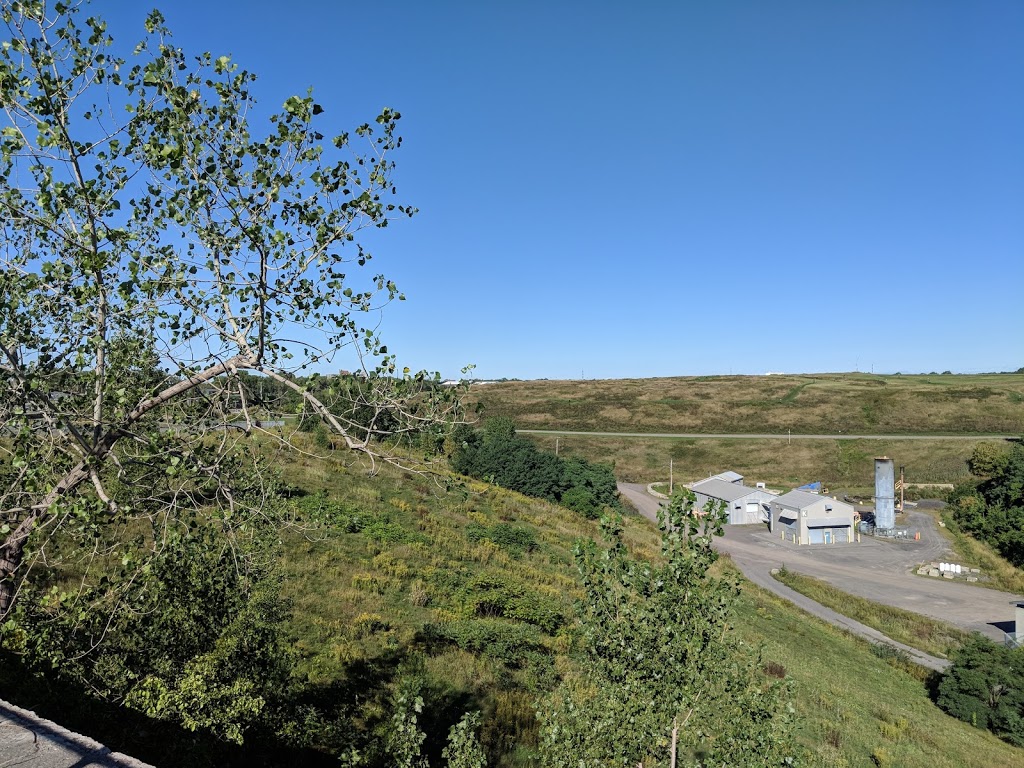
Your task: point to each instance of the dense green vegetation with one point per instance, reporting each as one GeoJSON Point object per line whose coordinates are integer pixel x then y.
{"type": "Point", "coordinates": [498, 455]}
{"type": "Point", "coordinates": [985, 687]}
{"type": "Point", "coordinates": [662, 674]}
{"type": "Point", "coordinates": [991, 507]}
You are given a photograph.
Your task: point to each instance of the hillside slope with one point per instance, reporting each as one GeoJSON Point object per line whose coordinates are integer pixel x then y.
{"type": "Point", "coordinates": [852, 403]}
{"type": "Point", "coordinates": [469, 592]}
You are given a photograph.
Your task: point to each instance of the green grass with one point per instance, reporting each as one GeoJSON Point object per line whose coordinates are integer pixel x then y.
{"type": "Point", "coordinates": [854, 709]}
{"type": "Point", "coordinates": [929, 635]}
{"type": "Point", "coordinates": [850, 703]}
{"type": "Point", "coordinates": [398, 598]}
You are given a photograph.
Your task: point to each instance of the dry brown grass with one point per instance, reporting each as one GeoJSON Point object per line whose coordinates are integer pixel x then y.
{"type": "Point", "coordinates": [813, 404]}
{"type": "Point", "coordinates": [839, 463]}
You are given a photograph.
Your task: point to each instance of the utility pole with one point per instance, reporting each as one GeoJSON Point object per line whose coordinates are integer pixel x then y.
{"type": "Point", "coordinates": [790, 432]}
{"type": "Point", "coordinates": [670, 477]}
{"type": "Point", "coordinates": [556, 447]}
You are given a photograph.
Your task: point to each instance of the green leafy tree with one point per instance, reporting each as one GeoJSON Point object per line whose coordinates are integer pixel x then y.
{"type": "Point", "coordinates": [984, 686]}
{"type": "Point", "coordinates": [499, 455]}
{"type": "Point", "coordinates": [463, 749]}
{"type": "Point", "coordinates": [987, 459]}
{"type": "Point", "coordinates": [991, 507]}
{"type": "Point", "coordinates": [161, 255]}
{"type": "Point", "coordinates": [662, 677]}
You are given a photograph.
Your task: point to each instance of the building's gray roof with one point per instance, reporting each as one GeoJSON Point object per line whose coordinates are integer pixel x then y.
{"type": "Point", "coordinates": [720, 489]}
{"type": "Point", "coordinates": [801, 499]}
{"type": "Point", "coordinates": [729, 477]}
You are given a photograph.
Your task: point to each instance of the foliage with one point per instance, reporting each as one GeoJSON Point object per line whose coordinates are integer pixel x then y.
{"type": "Point", "coordinates": [514, 539]}
{"type": "Point", "coordinates": [318, 509]}
{"type": "Point", "coordinates": [464, 750]}
{"type": "Point", "coordinates": [195, 642]}
{"type": "Point", "coordinates": [662, 668]}
{"type": "Point", "coordinates": [985, 687]}
{"type": "Point", "coordinates": [169, 269]}
{"type": "Point", "coordinates": [405, 738]}
{"type": "Point", "coordinates": [506, 597]}
{"type": "Point", "coordinates": [498, 455]}
{"type": "Point", "coordinates": [991, 507]}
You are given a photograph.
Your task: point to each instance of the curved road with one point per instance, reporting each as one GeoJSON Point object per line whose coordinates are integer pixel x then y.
{"type": "Point", "coordinates": [882, 571]}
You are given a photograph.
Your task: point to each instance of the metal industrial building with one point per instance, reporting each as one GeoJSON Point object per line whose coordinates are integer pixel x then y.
{"type": "Point", "coordinates": [743, 504]}
{"type": "Point", "coordinates": [807, 518]}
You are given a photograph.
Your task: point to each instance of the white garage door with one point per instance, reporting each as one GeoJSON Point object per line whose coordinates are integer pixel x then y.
{"type": "Point", "coordinates": [753, 512]}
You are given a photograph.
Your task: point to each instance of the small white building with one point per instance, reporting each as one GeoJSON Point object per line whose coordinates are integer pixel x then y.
{"type": "Point", "coordinates": [807, 518]}
{"type": "Point", "coordinates": [743, 504]}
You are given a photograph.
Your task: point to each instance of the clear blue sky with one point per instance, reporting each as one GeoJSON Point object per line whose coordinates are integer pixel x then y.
{"type": "Point", "coordinates": [674, 188]}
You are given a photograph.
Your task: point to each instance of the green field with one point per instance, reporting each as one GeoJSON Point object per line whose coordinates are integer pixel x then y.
{"type": "Point", "coordinates": [853, 403]}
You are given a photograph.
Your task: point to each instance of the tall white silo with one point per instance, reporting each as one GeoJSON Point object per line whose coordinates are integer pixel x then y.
{"type": "Point", "coordinates": [885, 494]}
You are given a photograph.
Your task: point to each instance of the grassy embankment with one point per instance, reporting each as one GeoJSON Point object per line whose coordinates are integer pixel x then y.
{"type": "Point", "coordinates": [929, 635]}
{"type": "Point", "coordinates": [851, 704]}
{"type": "Point", "coordinates": [821, 404]}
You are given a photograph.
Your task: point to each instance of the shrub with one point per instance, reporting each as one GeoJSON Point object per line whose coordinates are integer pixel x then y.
{"type": "Point", "coordinates": [513, 643]}
{"type": "Point", "coordinates": [501, 597]}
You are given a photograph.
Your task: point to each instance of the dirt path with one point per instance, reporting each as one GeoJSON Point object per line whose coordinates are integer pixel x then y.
{"type": "Point", "coordinates": [882, 571]}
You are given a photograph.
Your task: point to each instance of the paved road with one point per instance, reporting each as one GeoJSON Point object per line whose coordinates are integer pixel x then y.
{"type": "Point", "coordinates": [878, 570]}
{"type": "Point", "coordinates": [32, 742]}
{"type": "Point", "coordinates": [736, 436]}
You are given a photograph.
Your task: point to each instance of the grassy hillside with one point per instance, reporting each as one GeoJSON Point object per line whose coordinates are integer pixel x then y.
{"type": "Point", "coordinates": [852, 403]}
{"type": "Point", "coordinates": [362, 601]}
{"type": "Point", "coordinates": [839, 463]}
{"type": "Point", "coordinates": [855, 710]}
{"type": "Point", "coordinates": [471, 592]}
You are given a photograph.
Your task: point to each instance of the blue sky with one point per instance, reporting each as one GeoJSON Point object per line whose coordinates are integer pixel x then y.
{"type": "Point", "coordinates": [674, 188]}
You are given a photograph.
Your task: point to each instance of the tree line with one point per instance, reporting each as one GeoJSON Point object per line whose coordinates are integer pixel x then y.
{"type": "Point", "coordinates": [497, 454]}
{"type": "Point", "coordinates": [990, 506]}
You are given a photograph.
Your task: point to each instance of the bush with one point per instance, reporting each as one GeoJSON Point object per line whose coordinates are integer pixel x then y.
{"type": "Point", "coordinates": [318, 509]}
{"type": "Point", "coordinates": [499, 456]}
{"type": "Point", "coordinates": [513, 539]}
{"type": "Point", "coordinates": [512, 643]}
{"type": "Point", "coordinates": [501, 597]}
{"type": "Point", "coordinates": [984, 686]}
